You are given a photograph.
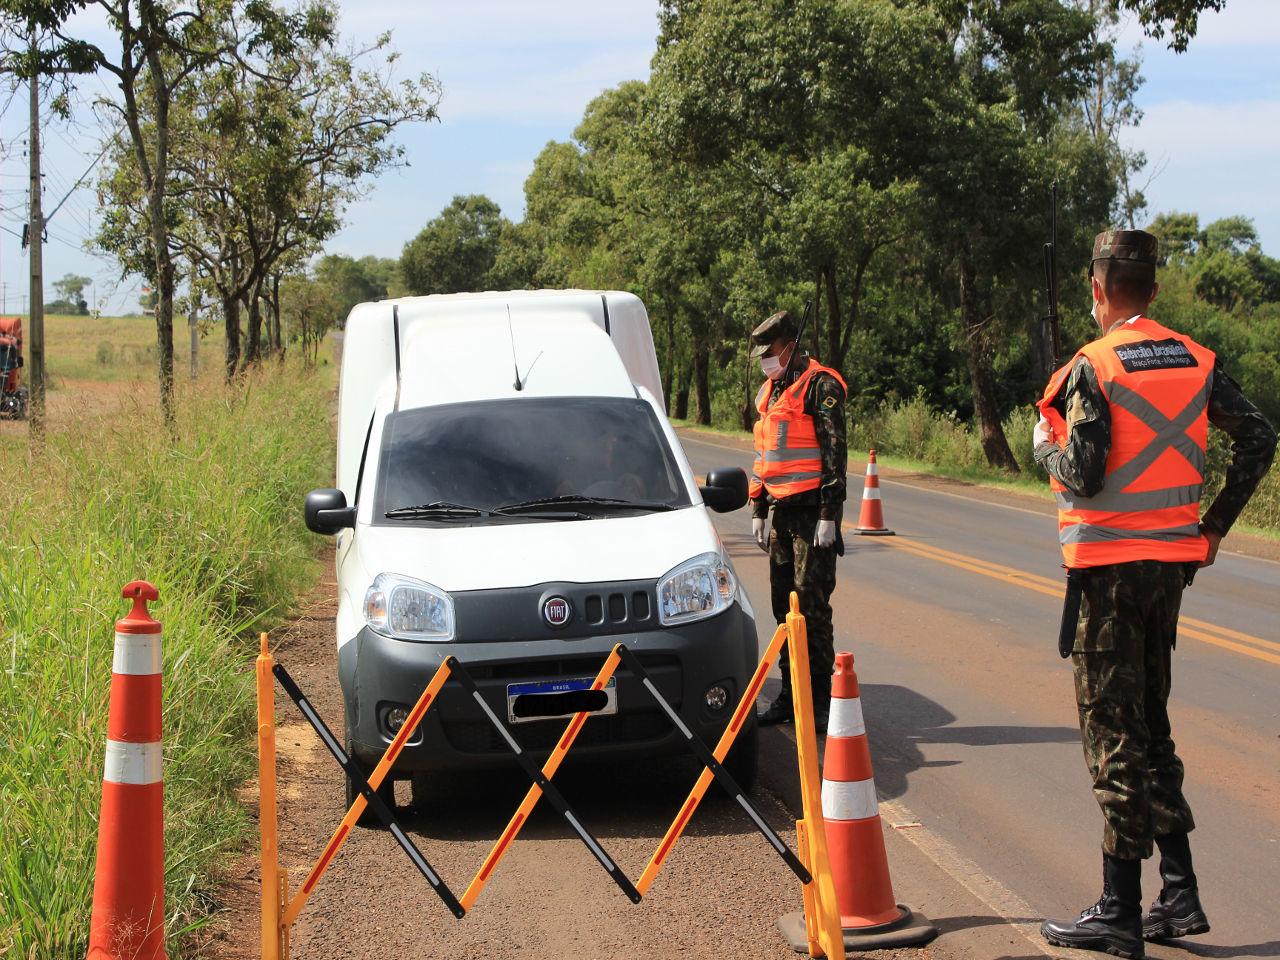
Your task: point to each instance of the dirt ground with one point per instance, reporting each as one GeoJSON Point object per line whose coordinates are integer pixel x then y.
{"type": "Point", "coordinates": [720, 893]}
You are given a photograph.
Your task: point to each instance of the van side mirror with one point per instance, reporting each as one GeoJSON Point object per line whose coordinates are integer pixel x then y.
{"type": "Point", "coordinates": [326, 511]}
{"type": "Point", "coordinates": [725, 489]}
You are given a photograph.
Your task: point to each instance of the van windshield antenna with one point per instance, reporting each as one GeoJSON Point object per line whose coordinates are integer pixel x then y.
{"type": "Point", "coordinates": [515, 361]}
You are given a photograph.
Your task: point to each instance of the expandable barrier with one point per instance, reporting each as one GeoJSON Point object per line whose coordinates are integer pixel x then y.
{"type": "Point", "coordinates": [128, 883]}
{"type": "Point", "coordinates": [871, 516]}
{"type": "Point", "coordinates": [811, 867]}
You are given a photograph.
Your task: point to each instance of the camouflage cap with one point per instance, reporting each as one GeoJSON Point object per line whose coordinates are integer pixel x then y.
{"type": "Point", "coordinates": [1135, 245]}
{"type": "Point", "coordinates": [780, 326]}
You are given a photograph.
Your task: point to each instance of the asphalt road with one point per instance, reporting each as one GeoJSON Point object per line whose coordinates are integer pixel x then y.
{"type": "Point", "coordinates": [971, 718]}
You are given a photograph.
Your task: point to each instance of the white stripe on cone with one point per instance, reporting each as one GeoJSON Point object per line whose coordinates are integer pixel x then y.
{"type": "Point", "coordinates": [132, 763]}
{"type": "Point", "coordinates": [136, 654]}
{"type": "Point", "coordinates": [845, 719]}
{"type": "Point", "coordinates": [871, 493]}
{"type": "Point", "coordinates": [849, 801]}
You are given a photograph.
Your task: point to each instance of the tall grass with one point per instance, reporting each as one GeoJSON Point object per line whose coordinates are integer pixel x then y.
{"type": "Point", "coordinates": [210, 513]}
{"type": "Point", "coordinates": [912, 432]}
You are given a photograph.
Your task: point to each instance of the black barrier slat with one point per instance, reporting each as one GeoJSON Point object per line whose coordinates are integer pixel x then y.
{"type": "Point", "coordinates": [553, 795]}
{"type": "Point", "coordinates": [708, 759]}
{"type": "Point", "coordinates": [376, 803]}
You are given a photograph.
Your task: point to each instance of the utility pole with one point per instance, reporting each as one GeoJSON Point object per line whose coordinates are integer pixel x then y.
{"type": "Point", "coordinates": [36, 236]}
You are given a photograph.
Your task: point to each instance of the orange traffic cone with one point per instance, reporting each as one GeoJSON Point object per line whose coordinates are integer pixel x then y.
{"type": "Point", "coordinates": [871, 519]}
{"type": "Point", "coordinates": [869, 915]}
{"type": "Point", "coordinates": [128, 884]}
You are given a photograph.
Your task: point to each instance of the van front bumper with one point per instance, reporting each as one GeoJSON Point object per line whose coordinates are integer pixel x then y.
{"type": "Point", "coordinates": [379, 675]}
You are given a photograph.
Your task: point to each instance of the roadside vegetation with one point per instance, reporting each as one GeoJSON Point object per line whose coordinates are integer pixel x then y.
{"type": "Point", "coordinates": [206, 508]}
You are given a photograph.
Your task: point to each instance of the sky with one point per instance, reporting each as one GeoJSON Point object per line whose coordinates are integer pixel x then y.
{"type": "Point", "coordinates": [517, 75]}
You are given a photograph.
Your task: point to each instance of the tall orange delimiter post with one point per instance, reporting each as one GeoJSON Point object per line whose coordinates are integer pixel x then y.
{"type": "Point", "coordinates": [128, 885]}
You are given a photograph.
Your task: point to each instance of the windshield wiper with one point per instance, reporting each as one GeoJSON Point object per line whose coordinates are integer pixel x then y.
{"type": "Point", "coordinates": [436, 510]}
{"type": "Point", "coordinates": [576, 500]}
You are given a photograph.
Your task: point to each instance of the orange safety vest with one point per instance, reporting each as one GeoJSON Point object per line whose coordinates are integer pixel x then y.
{"type": "Point", "coordinates": [1157, 385]}
{"type": "Point", "coordinates": [788, 459]}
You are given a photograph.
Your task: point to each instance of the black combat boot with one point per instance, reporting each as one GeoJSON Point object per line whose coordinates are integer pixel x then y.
{"type": "Point", "coordinates": [1176, 912]}
{"type": "Point", "coordinates": [1114, 923]}
{"type": "Point", "coordinates": [821, 705]}
{"type": "Point", "coordinates": [780, 711]}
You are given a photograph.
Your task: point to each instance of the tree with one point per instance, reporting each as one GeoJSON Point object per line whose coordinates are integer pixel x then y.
{"type": "Point", "coordinates": [272, 144]}
{"type": "Point", "coordinates": [161, 47]}
{"type": "Point", "coordinates": [457, 250]}
{"type": "Point", "coordinates": [70, 291]}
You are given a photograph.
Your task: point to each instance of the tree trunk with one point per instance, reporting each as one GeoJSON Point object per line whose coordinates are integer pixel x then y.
{"type": "Point", "coordinates": [682, 394]}
{"type": "Point", "coordinates": [231, 324]}
{"type": "Point", "coordinates": [164, 319]}
{"type": "Point", "coordinates": [986, 413]}
{"type": "Point", "coordinates": [253, 337]}
{"type": "Point", "coordinates": [748, 409]}
{"type": "Point", "coordinates": [701, 374]}
{"type": "Point", "coordinates": [275, 334]}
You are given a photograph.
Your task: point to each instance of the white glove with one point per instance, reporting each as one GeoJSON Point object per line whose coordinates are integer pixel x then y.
{"type": "Point", "coordinates": [825, 535]}
{"type": "Point", "coordinates": [758, 531]}
{"type": "Point", "coordinates": [1041, 434]}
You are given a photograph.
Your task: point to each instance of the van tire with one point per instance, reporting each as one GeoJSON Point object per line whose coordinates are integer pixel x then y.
{"type": "Point", "coordinates": [387, 791]}
{"type": "Point", "coordinates": [743, 761]}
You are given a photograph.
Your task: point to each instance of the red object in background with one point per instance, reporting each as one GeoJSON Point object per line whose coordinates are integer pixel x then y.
{"type": "Point", "coordinates": [10, 353]}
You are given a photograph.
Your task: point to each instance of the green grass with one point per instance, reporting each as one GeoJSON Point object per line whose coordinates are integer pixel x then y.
{"type": "Point", "coordinates": [211, 514]}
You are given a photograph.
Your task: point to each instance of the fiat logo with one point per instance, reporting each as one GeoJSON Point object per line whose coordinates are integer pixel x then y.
{"type": "Point", "coordinates": [556, 611]}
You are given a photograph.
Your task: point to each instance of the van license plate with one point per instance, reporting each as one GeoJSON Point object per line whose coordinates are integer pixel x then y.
{"type": "Point", "coordinates": [558, 699]}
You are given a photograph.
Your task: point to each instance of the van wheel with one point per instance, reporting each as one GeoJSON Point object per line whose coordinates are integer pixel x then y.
{"type": "Point", "coordinates": [744, 759]}
{"type": "Point", "coordinates": [387, 791]}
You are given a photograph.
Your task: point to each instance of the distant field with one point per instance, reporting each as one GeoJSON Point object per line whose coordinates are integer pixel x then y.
{"type": "Point", "coordinates": [113, 349]}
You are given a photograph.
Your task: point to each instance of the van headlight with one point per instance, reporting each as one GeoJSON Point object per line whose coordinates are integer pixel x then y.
{"type": "Point", "coordinates": [406, 609]}
{"type": "Point", "coordinates": [695, 590]}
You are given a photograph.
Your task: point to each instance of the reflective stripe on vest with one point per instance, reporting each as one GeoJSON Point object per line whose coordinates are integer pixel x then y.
{"type": "Point", "coordinates": [1149, 506]}
{"type": "Point", "coordinates": [788, 458]}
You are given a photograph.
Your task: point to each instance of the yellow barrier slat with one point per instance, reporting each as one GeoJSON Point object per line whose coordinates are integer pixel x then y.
{"type": "Point", "coordinates": [375, 780]}
{"type": "Point", "coordinates": [745, 705]}
{"type": "Point", "coordinates": [267, 812]}
{"type": "Point", "coordinates": [535, 791]}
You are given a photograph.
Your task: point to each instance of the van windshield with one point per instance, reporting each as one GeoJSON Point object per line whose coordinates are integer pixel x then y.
{"type": "Point", "coordinates": [501, 461]}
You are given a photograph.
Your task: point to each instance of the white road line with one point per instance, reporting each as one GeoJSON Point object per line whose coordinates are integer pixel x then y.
{"type": "Point", "coordinates": [1004, 902]}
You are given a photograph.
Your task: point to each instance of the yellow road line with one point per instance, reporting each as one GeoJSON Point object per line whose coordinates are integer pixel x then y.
{"type": "Point", "coordinates": [1187, 627]}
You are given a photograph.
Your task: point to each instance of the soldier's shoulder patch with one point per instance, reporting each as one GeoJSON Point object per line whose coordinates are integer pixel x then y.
{"type": "Point", "coordinates": [828, 403]}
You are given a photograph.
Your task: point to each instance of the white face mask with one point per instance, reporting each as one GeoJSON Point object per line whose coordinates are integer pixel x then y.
{"type": "Point", "coordinates": [772, 367]}
{"type": "Point", "coordinates": [1094, 311]}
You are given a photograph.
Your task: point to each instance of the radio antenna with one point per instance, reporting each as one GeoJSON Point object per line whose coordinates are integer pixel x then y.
{"type": "Point", "coordinates": [514, 361]}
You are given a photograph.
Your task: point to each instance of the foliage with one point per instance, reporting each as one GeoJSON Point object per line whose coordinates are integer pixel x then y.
{"type": "Point", "coordinates": [456, 251]}
{"type": "Point", "coordinates": [188, 506]}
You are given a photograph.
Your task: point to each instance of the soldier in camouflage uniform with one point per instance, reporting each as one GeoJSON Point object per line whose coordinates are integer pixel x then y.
{"type": "Point", "coordinates": [1131, 578]}
{"type": "Point", "coordinates": [805, 540]}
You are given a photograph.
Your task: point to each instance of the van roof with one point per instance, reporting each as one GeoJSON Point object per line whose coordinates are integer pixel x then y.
{"type": "Point", "coordinates": [447, 348]}
{"type": "Point", "coordinates": [479, 357]}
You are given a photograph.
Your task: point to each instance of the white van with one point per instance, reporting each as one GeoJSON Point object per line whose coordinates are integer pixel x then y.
{"type": "Point", "coordinates": [511, 493]}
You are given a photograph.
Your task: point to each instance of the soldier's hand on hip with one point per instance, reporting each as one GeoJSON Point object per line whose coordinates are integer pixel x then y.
{"type": "Point", "coordinates": [1214, 539]}
{"type": "Point", "coordinates": [825, 535]}
{"type": "Point", "coordinates": [758, 531]}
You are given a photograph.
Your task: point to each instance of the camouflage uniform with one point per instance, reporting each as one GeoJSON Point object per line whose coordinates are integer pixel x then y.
{"type": "Point", "coordinates": [1127, 625]}
{"type": "Point", "coordinates": [794, 562]}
